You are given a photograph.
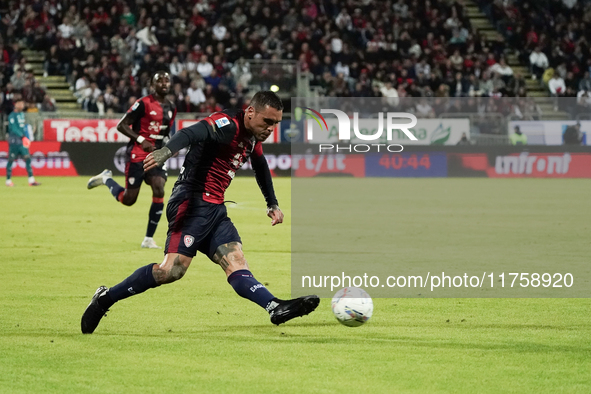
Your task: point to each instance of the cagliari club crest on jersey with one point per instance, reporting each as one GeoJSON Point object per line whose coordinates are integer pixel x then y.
{"type": "Point", "coordinates": [189, 239]}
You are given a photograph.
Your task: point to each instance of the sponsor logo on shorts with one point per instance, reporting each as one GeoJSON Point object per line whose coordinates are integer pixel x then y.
{"type": "Point", "coordinates": [131, 180]}
{"type": "Point", "coordinates": [170, 114]}
{"type": "Point", "coordinates": [189, 239]}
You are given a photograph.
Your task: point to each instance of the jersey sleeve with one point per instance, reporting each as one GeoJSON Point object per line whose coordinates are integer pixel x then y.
{"type": "Point", "coordinates": [12, 124]}
{"type": "Point", "coordinates": [136, 111]}
{"type": "Point", "coordinates": [263, 174]}
{"type": "Point", "coordinates": [206, 130]}
{"type": "Point", "coordinates": [223, 125]}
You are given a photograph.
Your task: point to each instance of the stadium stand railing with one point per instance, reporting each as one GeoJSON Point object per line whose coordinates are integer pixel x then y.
{"type": "Point", "coordinates": [485, 125]}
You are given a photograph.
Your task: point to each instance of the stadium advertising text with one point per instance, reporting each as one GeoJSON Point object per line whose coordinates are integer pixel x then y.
{"type": "Point", "coordinates": [47, 158]}
{"type": "Point", "coordinates": [518, 165]}
{"type": "Point", "coordinates": [82, 130]}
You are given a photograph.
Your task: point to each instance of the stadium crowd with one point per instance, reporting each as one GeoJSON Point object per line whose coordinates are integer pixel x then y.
{"type": "Point", "coordinates": [349, 48]}
{"type": "Point", "coordinates": [552, 37]}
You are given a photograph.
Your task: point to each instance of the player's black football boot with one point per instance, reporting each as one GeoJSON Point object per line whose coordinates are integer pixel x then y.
{"type": "Point", "coordinates": [289, 309]}
{"type": "Point", "coordinates": [94, 312]}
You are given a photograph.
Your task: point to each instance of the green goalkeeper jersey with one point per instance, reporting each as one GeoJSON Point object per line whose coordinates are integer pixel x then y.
{"type": "Point", "coordinates": [17, 128]}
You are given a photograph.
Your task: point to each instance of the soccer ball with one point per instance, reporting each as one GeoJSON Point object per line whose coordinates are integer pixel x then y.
{"type": "Point", "coordinates": [352, 306]}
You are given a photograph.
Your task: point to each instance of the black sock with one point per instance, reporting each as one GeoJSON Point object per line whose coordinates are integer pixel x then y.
{"type": "Point", "coordinates": [154, 216]}
{"type": "Point", "coordinates": [114, 188]}
{"type": "Point", "coordinates": [138, 282]}
{"type": "Point", "coordinates": [248, 287]}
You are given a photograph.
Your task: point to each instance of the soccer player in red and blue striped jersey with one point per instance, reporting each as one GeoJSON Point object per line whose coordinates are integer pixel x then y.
{"type": "Point", "coordinates": [147, 123]}
{"type": "Point", "coordinates": [218, 146]}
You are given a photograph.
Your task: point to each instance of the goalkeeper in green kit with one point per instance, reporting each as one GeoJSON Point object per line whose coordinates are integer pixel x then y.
{"type": "Point", "coordinates": [19, 141]}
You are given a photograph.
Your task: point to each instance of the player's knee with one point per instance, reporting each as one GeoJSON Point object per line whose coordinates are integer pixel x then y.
{"type": "Point", "coordinates": [176, 272]}
{"type": "Point", "coordinates": [170, 271]}
{"type": "Point", "coordinates": [158, 192]}
{"type": "Point", "coordinates": [128, 200]}
{"type": "Point", "coordinates": [237, 257]}
{"type": "Point", "coordinates": [236, 260]}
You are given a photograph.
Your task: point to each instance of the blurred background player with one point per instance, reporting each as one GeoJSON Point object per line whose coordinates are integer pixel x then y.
{"type": "Point", "coordinates": [146, 123]}
{"type": "Point", "coordinates": [219, 145]}
{"type": "Point", "coordinates": [19, 141]}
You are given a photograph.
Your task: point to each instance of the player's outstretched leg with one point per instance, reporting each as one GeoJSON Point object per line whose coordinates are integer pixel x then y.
{"type": "Point", "coordinates": [172, 269]}
{"type": "Point", "coordinates": [99, 179]}
{"type": "Point", "coordinates": [231, 258]}
{"type": "Point", "coordinates": [124, 196]}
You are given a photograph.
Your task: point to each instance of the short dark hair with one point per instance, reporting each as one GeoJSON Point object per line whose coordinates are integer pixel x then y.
{"type": "Point", "coordinates": [266, 97]}
{"type": "Point", "coordinates": [159, 72]}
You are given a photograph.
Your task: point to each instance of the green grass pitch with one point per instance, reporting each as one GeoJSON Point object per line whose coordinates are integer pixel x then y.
{"type": "Point", "coordinates": [59, 242]}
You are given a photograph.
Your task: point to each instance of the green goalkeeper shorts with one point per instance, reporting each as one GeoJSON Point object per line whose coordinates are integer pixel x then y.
{"type": "Point", "coordinates": [15, 151]}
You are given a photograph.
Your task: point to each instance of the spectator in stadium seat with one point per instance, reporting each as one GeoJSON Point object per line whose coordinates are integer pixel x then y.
{"type": "Point", "coordinates": [66, 28]}
{"type": "Point", "coordinates": [190, 64]}
{"type": "Point", "coordinates": [18, 80]}
{"type": "Point", "coordinates": [503, 69]}
{"type": "Point", "coordinates": [240, 19]}
{"type": "Point", "coordinates": [146, 37]}
{"type": "Point", "coordinates": [499, 84]}
{"type": "Point", "coordinates": [570, 82]}
{"type": "Point", "coordinates": [195, 94]}
{"type": "Point", "coordinates": [557, 88]}
{"type": "Point", "coordinates": [204, 67]}
{"type": "Point", "coordinates": [9, 97]}
{"type": "Point", "coordinates": [516, 85]}
{"type": "Point", "coordinates": [176, 67]}
{"type": "Point", "coordinates": [186, 105]}
{"type": "Point", "coordinates": [390, 94]}
{"type": "Point", "coordinates": [460, 86]}
{"type": "Point", "coordinates": [457, 60]}
{"type": "Point", "coordinates": [213, 79]}
{"type": "Point", "coordinates": [52, 64]}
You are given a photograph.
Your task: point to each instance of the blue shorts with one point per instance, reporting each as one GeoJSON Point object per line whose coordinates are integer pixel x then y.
{"type": "Point", "coordinates": [196, 225]}
{"type": "Point", "coordinates": [134, 175]}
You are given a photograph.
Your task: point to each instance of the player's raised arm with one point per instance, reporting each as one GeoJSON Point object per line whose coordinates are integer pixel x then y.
{"type": "Point", "coordinates": [265, 182]}
{"type": "Point", "coordinates": [124, 126]}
